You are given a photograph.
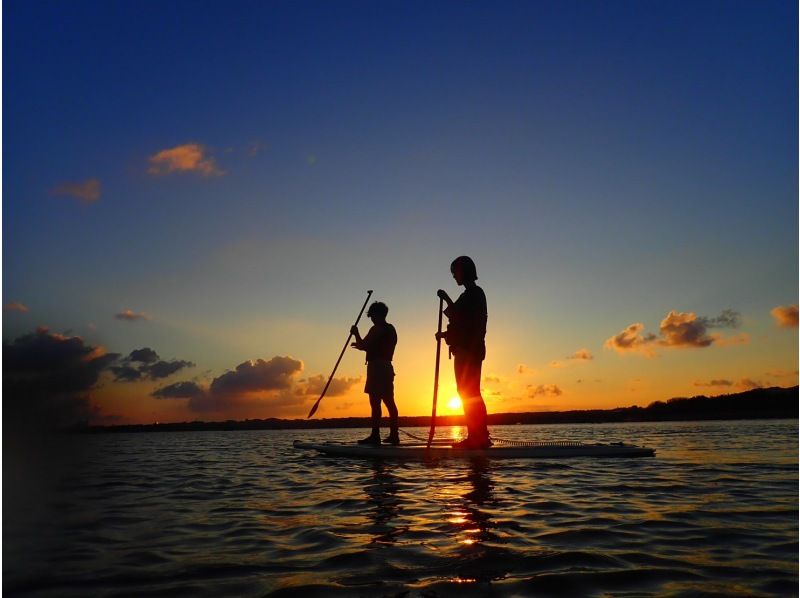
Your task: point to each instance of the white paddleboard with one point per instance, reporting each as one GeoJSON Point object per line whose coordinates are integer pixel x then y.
{"type": "Point", "coordinates": [442, 451]}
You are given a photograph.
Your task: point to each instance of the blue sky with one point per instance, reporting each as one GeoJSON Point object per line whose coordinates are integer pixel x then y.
{"type": "Point", "coordinates": [605, 163]}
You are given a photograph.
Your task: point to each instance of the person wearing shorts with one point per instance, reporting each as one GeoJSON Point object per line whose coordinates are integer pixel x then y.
{"type": "Point", "coordinates": [379, 345]}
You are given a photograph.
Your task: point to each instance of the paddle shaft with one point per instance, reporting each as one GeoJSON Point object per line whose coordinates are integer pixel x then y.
{"type": "Point", "coordinates": [347, 342]}
{"type": "Point", "coordinates": [436, 373]}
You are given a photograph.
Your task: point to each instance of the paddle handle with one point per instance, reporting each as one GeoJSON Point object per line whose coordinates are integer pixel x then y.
{"type": "Point", "coordinates": [347, 342]}
{"type": "Point", "coordinates": [436, 373]}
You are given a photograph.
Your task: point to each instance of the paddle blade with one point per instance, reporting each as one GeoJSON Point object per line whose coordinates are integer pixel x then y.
{"type": "Point", "coordinates": [314, 409]}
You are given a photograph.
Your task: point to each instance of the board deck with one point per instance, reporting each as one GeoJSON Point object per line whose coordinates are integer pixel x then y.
{"type": "Point", "coordinates": [443, 451]}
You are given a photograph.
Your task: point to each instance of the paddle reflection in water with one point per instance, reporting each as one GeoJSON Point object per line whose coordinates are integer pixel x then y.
{"type": "Point", "coordinates": [381, 492]}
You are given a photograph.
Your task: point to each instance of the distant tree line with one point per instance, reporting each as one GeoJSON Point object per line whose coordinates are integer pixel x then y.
{"type": "Point", "coordinates": [760, 403]}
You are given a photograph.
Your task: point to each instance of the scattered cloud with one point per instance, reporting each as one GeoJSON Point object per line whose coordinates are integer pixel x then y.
{"type": "Point", "coordinates": [684, 330]}
{"type": "Point", "coordinates": [14, 306]}
{"type": "Point", "coordinates": [164, 369]}
{"type": "Point", "coordinates": [727, 319]}
{"type": "Point", "coordinates": [125, 373]}
{"type": "Point", "coordinates": [144, 364]}
{"type": "Point", "coordinates": [678, 330]}
{"type": "Point", "coordinates": [87, 192]}
{"type": "Point", "coordinates": [257, 376]}
{"type": "Point", "coordinates": [47, 379]}
{"type": "Point", "coordinates": [338, 386]}
{"type": "Point", "coordinates": [143, 355]}
{"type": "Point", "coordinates": [251, 380]}
{"type": "Point", "coordinates": [556, 364]}
{"type": "Point", "coordinates": [785, 316]}
{"type": "Point", "coordinates": [582, 355]}
{"type": "Point", "coordinates": [720, 382]}
{"type": "Point", "coordinates": [524, 369]}
{"type": "Point", "coordinates": [180, 390]}
{"type": "Point", "coordinates": [550, 390]}
{"type": "Point", "coordinates": [131, 316]}
{"type": "Point", "coordinates": [272, 384]}
{"type": "Point", "coordinates": [189, 157]}
{"type": "Point", "coordinates": [491, 380]}
{"type": "Point", "coordinates": [632, 339]}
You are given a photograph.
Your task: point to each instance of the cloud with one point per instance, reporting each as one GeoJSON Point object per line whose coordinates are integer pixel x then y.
{"type": "Point", "coordinates": [491, 380]}
{"type": "Point", "coordinates": [14, 306]}
{"type": "Point", "coordinates": [164, 369]}
{"type": "Point", "coordinates": [545, 390]}
{"type": "Point", "coordinates": [678, 330]}
{"type": "Point", "coordinates": [87, 192]}
{"type": "Point", "coordinates": [632, 339]}
{"type": "Point", "coordinates": [338, 386]}
{"type": "Point", "coordinates": [727, 319]}
{"type": "Point", "coordinates": [131, 316]}
{"type": "Point", "coordinates": [582, 355]}
{"type": "Point", "coordinates": [269, 382]}
{"type": "Point", "coordinates": [47, 378]}
{"type": "Point", "coordinates": [143, 355]}
{"type": "Point", "coordinates": [189, 157]}
{"type": "Point", "coordinates": [180, 390]}
{"type": "Point", "coordinates": [145, 363]}
{"type": "Point", "coordinates": [785, 316]}
{"type": "Point", "coordinates": [714, 383]}
{"type": "Point", "coordinates": [524, 369]}
{"type": "Point", "coordinates": [256, 376]}
{"type": "Point", "coordinates": [125, 373]}
{"type": "Point", "coordinates": [684, 330]}
{"type": "Point", "coordinates": [556, 364]}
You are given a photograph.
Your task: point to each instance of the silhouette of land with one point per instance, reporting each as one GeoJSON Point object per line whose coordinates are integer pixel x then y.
{"type": "Point", "coordinates": [760, 403]}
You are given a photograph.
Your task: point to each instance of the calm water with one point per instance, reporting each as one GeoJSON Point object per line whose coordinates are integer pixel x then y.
{"type": "Point", "coordinates": [245, 514]}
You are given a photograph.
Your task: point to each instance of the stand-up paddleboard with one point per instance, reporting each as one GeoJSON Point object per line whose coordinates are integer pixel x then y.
{"type": "Point", "coordinates": [530, 450]}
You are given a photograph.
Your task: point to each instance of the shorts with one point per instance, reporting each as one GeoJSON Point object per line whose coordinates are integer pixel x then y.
{"type": "Point", "coordinates": [380, 379]}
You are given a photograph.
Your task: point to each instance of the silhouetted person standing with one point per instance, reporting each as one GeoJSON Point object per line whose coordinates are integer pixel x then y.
{"type": "Point", "coordinates": [379, 345]}
{"type": "Point", "coordinates": [465, 335]}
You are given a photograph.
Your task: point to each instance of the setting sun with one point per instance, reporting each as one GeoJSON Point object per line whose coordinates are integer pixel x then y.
{"type": "Point", "coordinates": [454, 404]}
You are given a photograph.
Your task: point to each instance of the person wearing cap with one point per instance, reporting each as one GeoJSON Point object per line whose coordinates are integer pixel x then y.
{"type": "Point", "coordinates": [379, 345]}
{"type": "Point", "coordinates": [465, 335]}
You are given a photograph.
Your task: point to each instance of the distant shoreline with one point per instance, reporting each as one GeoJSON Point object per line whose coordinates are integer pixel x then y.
{"type": "Point", "coordinates": [760, 403]}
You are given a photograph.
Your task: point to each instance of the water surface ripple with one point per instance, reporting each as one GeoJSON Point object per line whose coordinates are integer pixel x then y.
{"type": "Point", "coordinates": [246, 514]}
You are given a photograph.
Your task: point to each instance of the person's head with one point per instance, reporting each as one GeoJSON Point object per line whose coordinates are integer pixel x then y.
{"type": "Point", "coordinates": [377, 312]}
{"type": "Point", "coordinates": [463, 270]}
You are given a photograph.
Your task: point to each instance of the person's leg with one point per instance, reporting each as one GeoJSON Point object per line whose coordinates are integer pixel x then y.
{"type": "Point", "coordinates": [468, 382]}
{"type": "Point", "coordinates": [391, 407]}
{"type": "Point", "coordinates": [461, 367]}
{"type": "Point", "coordinates": [375, 404]}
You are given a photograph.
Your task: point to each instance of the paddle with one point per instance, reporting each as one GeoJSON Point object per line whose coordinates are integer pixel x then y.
{"type": "Point", "coordinates": [347, 342]}
{"type": "Point", "coordinates": [436, 373]}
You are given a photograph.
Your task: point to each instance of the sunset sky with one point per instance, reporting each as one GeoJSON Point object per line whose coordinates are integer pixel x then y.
{"type": "Point", "coordinates": [197, 197]}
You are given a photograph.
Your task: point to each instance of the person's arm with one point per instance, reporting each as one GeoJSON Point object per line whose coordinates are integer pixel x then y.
{"type": "Point", "coordinates": [445, 297]}
{"type": "Point", "coordinates": [359, 342]}
{"type": "Point", "coordinates": [362, 344]}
